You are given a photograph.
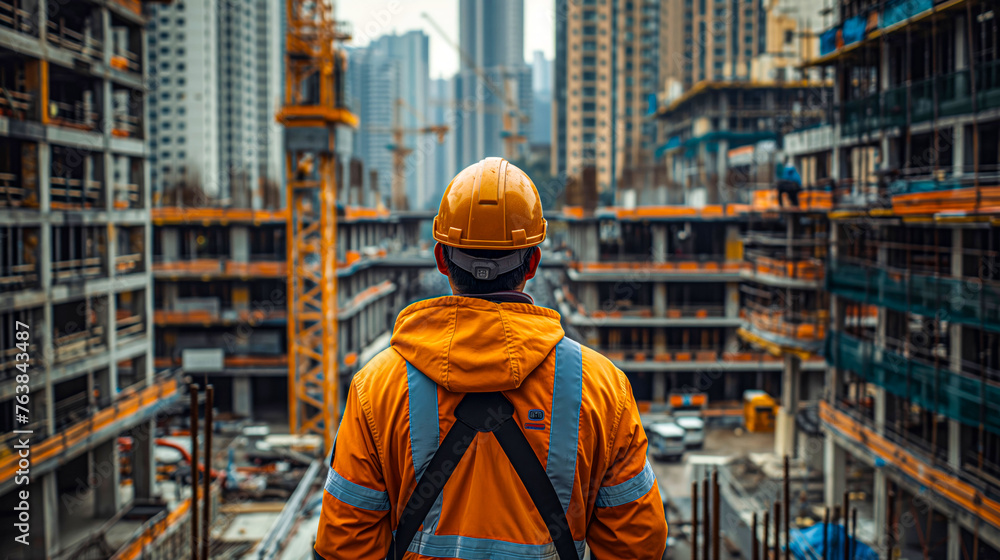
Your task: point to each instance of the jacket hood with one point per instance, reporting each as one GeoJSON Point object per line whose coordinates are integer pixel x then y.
{"type": "Point", "coordinates": [470, 345]}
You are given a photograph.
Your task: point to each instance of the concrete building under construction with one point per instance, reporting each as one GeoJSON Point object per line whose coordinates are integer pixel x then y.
{"type": "Point", "coordinates": [76, 254]}
{"type": "Point", "coordinates": [911, 400]}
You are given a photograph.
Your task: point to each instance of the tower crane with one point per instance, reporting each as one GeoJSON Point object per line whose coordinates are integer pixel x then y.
{"type": "Point", "coordinates": [512, 114]}
{"type": "Point", "coordinates": [400, 150]}
{"type": "Point", "coordinates": [311, 112]}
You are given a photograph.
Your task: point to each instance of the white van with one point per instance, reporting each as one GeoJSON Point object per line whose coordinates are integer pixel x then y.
{"type": "Point", "coordinates": [666, 439]}
{"type": "Point", "coordinates": [694, 431]}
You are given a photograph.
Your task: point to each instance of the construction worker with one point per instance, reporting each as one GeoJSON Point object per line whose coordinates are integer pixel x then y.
{"type": "Point", "coordinates": [483, 432]}
{"type": "Point", "coordinates": [789, 183]}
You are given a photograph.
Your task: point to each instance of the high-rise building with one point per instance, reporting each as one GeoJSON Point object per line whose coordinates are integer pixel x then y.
{"type": "Point", "coordinates": [541, 106]}
{"type": "Point", "coordinates": [442, 111]}
{"type": "Point", "coordinates": [492, 38]}
{"type": "Point", "coordinates": [604, 76]}
{"type": "Point", "coordinates": [218, 76]}
{"type": "Point", "coordinates": [391, 69]}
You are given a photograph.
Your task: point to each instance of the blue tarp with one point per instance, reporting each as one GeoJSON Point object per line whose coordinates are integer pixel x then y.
{"type": "Point", "coordinates": [898, 10]}
{"type": "Point", "coordinates": [828, 41]}
{"type": "Point", "coordinates": [854, 30]}
{"type": "Point", "coordinates": [807, 544]}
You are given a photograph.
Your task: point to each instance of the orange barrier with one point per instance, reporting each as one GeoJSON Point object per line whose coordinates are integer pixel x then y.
{"type": "Point", "coordinates": [231, 361]}
{"type": "Point", "coordinates": [58, 443]}
{"type": "Point", "coordinates": [192, 266]}
{"type": "Point", "coordinates": [260, 269]}
{"type": "Point", "coordinates": [686, 267]}
{"type": "Point", "coordinates": [200, 316]}
{"type": "Point", "coordinates": [176, 215]}
{"type": "Point", "coordinates": [687, 356]}
{"type": "Point", "coordinates": [711, 211]}
{"type": "Point", "coordinates": [811, 269]}
{"type": "Point", "coordinates": [922, 472]}
{"type": "Point", "coordinates": [947, 200]}
{"type": "Point", "coordinates": [776, 324]}
{"type": "Point", "coordinates": [369, 292]}
{"type": "Point", "coordinates": [360, 213]}
{"type": "Point", "coordinates": [767, 200]}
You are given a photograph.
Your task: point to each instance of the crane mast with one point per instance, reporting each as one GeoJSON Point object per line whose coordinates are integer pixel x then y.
{"type": "Point", "coordinates": [312, 110]}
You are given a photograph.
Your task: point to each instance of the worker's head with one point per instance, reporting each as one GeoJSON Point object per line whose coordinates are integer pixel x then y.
{"type": "Point", "coordinates": [488, 227]}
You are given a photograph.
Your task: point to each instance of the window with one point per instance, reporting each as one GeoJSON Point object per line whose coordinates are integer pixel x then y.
{"type": "Point", "coordinates": [180, 21]}
{"type": "Point", "coordinates": [589, 106]}
{"type": "Point", "coordinates": [165, 111]}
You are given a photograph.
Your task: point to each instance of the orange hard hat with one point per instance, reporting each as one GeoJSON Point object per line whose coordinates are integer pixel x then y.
{"type": "Point", "coordinates": [490, 205]}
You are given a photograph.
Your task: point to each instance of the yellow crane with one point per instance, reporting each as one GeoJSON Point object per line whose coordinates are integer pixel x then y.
{"type": "Point", "coordinates": [312, 110]}
{"type": "Point", "coordinates": [400, 150]}
{"type": "Point", "coordinates": [512, 114]}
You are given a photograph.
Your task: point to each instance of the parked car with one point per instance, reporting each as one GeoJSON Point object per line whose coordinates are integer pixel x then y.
{"type": "Point", "coordinates": [666, 439]}
{"type": "Point", "coordinates": [694, 431]}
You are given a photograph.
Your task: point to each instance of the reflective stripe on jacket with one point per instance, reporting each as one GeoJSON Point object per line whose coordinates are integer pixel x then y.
{"type": "Point", "coordinates": [575, 408]}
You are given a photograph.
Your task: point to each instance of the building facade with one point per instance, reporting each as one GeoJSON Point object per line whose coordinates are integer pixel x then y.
{"type": "Point", "coordinates": [393, 69]}
{"type": "Point", "coordinates": [605, 75]}
{"type": "Point", "coordinates": [218, 79]}
{"type": "Point", "coordinates": [491, 37]}
{"type": "Point", "coordinates": [75, 289]}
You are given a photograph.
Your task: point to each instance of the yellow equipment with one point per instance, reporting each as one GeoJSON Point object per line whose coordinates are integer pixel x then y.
{"type": "Point", "coordinates": [491, 204]}
{"type": "Point", "coordinates": [758, 411]}
{"type": "Point", "coordinates": [312, 110]}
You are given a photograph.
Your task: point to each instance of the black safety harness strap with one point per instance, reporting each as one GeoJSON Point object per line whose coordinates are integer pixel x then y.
{"type": "Point", "coordinates": [484, 412]}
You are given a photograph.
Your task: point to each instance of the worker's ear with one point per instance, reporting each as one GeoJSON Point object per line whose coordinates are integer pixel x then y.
{"type": "Point", "coordinates": [533, 261]}
{"type": "Point", "coordinates": [439, 258]}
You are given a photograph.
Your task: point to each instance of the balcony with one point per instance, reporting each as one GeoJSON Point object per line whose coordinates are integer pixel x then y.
{"type": "Point", "coordinates": [8, 341]}
{"type": "Point", "coordinates": [642, 267]}
{"type": "Point", "coordinates": [75, 28]}
{"type": "Point", "coordinates": [14, 16]}
{"type": "Point", "coordinates": [978, 497]}
{"type": "Point", "coordinates": [173, 317]}
{"type": "Point", "coordinates": [126, 116]}
{"type": "Point", "coordinates": [87, 342]}
{"type": "Point", "coordinates": [179, 215]}
{"type": "Point", "coordinates": [957, 395]}
{"type": "Point", "coordinates": [801, 272]}
{"type": "Point", "coordinates": [19, 258]}
{"type": "Point", "coordinates": [221, 267]}
{"type": "Point", "coordinates": [130, 407]}
{"type": "Point", "coordinates": [967, 300]}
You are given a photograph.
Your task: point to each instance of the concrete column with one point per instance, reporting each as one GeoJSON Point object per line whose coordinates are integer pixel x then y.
{"type": "Point", "coordinates": [880, 408]}
{"type": "Point", "coordinates": [660, 299]}
{"type": "Point", "coordinates": [834, 472]}
{"type": "Point", "coordinates": [589, 298]}
{"type": "Point", "coordinates": [169, 244]}
{"type": "Point", "coordinates": [143, 465]}
{"type": "Point", "coordinates": [880, 505]}
{"type": "Point", "coordinates": [660, 387]}
{"type": "Point", "coordinates": [43, 501]}
{"type": "Point", "coordinates": [958, 151]}
{"type": "Point", "coordinates": [242, 396]}
{"type": "Point", "coordinates": [591, 243]}
{"type": "Point", "coordinates": [659, 231]}
{"type": "Point", "coordinates": [659, 340]}
{"type": "Point", "coordinates": [107, 500]}
{"type": "Point", "coordinates": [732, 305]}
{"type": "Point", "coordinates": [954, 540]}
{"type": "Point", "coordinates": [239, 243]}
{"type": "Point", "coordinates": [784, 434]}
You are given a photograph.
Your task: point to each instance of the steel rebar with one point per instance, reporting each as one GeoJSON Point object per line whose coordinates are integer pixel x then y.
{"type": "Point", "coordinates": [193, 391]}
{"type": "Point", "coordinates": [826, 533]}
{"type": "Point", "coordinates": [788, 509]}
{"type": "Point", "coordinates": [763, 542]}
{"type": "Point", "coordinates": [706, 544]}
{"type": "Point", "coordinates": [854, 533]}
{"type": "Point", "coordinates": [777, 530]}
{"type": "Point", "coordinates": [847, 514]}
{"type": "Point", "coordinates": [694, 520]}
{"type": "Point", "coordinates": [207, 524]}
{"type": "Point", "coordinates": [716, 545]}
{"type": "Point", "coordinates": [754, 553]}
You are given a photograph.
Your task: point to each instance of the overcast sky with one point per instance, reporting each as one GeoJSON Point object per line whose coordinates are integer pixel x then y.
{"type": "Point", "coordinates": [372, 18]}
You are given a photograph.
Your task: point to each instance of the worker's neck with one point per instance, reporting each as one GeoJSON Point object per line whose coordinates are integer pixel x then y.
{"type": "Point", "coordinates": [507, 296]}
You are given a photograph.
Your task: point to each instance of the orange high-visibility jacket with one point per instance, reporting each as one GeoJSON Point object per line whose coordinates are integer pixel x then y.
{"type": "Point", "coordinates": [583, 425]}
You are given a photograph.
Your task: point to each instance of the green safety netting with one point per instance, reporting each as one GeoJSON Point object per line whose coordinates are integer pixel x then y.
{"type": "Point", "coordinates": [970, 302]}
{"type": "Point", "coordinates": [958, 396]}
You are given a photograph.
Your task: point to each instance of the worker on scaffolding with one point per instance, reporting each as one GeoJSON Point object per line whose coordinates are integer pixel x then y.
{"type": "Point", "coordinates": [789, 183]}
{"type": "Point", "coordinates": [483, 432]}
